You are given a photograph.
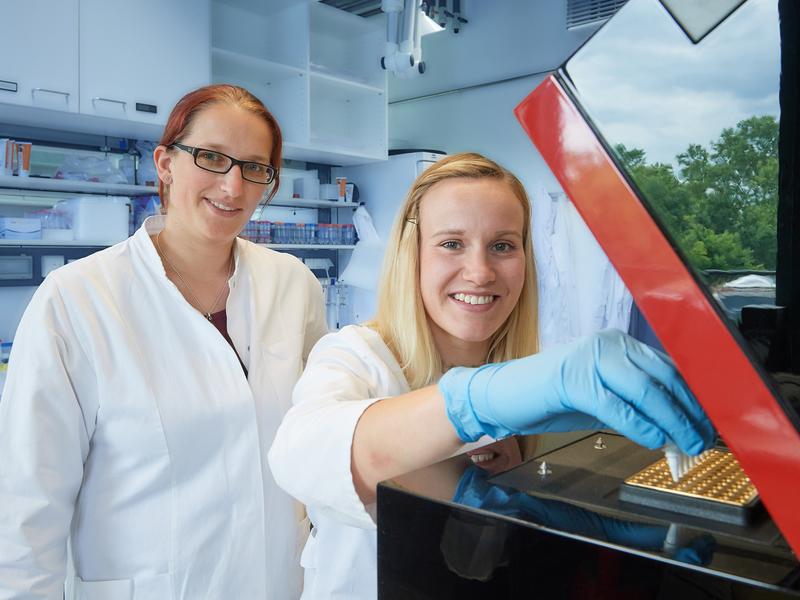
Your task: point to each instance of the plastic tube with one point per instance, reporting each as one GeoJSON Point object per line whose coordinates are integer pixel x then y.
{"type": "Point", "coordinates": [5, 164]}
{"type": "Point", "coordinates": [24, 158]}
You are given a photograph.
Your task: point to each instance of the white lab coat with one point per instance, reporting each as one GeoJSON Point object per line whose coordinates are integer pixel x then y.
{"type": "Point", "coordinates": [128, 425]}
{"type": "Point", "coordinates": [346, 372]}
{"type": "Point", "coordinates": [579, 290]}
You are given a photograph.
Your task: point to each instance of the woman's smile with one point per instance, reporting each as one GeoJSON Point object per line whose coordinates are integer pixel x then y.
{"type": "Point", "coordinates": [472, 261]}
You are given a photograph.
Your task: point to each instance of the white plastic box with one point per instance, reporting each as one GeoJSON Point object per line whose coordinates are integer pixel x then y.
{"type": "Point", "coordinates": [14, 228]}
{"type": "Point", "coordinates": [99, 219]}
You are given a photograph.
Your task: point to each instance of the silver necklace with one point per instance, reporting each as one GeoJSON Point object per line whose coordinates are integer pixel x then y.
{"type": "Point", "coordinates": [206, 313]}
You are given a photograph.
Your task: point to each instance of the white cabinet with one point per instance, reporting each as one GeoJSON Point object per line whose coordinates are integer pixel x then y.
{"type": "Point", "coordinates": [39, 60]}
{"type": "Point", "coordinates": [317, 68]}
{"type": "Point", "coordinates": [110, 67]}
{"type": "Point", "coordinates": [138, 58]}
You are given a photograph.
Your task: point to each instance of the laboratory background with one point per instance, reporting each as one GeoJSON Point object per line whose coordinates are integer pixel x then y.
{"type": "Point", "coordinates": [89, 84]}
{"type": "Point", "coordinates": [667, 111]}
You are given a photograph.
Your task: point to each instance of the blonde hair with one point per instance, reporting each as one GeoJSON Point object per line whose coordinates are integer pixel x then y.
{"type": "Point", "coordinates": [401, 318]}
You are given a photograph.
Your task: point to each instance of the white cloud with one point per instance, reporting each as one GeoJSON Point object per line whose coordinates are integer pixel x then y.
{"type": "Point", "coordinates": [646, 85]}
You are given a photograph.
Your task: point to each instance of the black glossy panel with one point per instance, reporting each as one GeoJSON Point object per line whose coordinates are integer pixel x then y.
{"type": "Point", "coordinates": [455, 531]}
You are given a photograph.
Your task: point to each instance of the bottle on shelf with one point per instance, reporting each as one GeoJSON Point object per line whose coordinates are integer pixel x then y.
{"type": "Point", "coordinates": [332, 305]}
{"type": "Point", "coordinates": [278, 233]}
{"type": "Point", "coordinates": [5, 352]}
{"type": "Point", "coordinates": [349, 235]}
{"type": "Point", "coordinates": [310, 233]}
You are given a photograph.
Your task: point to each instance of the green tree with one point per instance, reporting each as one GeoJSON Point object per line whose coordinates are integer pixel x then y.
{"type": "Point", "coordinates": [721, 206]}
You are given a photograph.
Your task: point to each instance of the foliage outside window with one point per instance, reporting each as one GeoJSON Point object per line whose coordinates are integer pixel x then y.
{"type": "Point", "coordinates": [721, 205]}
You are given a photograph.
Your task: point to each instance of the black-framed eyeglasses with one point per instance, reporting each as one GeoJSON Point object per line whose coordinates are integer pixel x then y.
{"type": "Point", "coordinates": [217, 162]}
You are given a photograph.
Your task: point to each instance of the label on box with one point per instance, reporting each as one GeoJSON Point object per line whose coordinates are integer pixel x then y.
{"type": "Point", "coordinates": [12, 228]}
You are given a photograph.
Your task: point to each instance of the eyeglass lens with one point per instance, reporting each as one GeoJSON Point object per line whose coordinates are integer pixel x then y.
{"type": "Point", "coordinates": [219, 163]}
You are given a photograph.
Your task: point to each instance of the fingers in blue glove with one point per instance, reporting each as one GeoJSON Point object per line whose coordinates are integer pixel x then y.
{"type": "Point", "coordinates": [606, 380]}
{"type": "Point", "coordinates": [661, 368]}
{"type": "Point", "coordinates": [661, 403]}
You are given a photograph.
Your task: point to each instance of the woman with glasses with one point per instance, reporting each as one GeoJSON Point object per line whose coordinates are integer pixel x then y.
{"type": "Point", "coordinates": [147, 382]}
{"type": "Point", "coordinates": [451, 358]}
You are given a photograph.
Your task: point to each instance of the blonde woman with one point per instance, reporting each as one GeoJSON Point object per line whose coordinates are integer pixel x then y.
{"type": "Point", "coordinates": [458, 297]}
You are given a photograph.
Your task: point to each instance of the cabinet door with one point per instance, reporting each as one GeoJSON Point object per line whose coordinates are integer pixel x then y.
{"type": "Point", "coordinates": [138, 58]}
{"type": "Point", "coordinates": [39, 59]}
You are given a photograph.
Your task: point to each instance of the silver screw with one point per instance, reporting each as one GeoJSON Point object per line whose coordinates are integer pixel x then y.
{"type": "Point", "coordinates": [599, 443]}
{"type": "Point", "coordinates": [544, 469]}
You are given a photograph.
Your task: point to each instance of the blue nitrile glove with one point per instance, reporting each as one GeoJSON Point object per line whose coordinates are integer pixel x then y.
{"type": "Point", "coordinates": [474, 490]}
{"type": "Point", "coordinates": [605, 380]}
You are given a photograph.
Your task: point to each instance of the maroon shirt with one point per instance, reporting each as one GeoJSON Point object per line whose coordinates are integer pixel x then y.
{"type": "Point", "coordinates": [220, 321]}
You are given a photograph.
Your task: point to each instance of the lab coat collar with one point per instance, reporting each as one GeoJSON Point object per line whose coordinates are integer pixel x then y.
{"type": "Point", "coordinates": [154, 224]}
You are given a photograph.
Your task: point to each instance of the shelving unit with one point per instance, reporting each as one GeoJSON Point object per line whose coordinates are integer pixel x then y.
{"type": "Point", "coordinates": [50, 244]}
{"type": "Point", "coordinates": [345, 46]}
{"type": "Point", "coordinates": [83, 244]}
{"type": "Point", "coordinates": [321, 73]}
{"type": "Point", "coordinates": [18, 195]}
{"type": "Point", "coordinates": [346, 117]}
{"type": "Point", "coordinates": [308, 246]}
{"type": "Point", "coordinates": [317, 68]}
{"type": "Point", "coordinates": [79, 187]}
{"type": "Point", "coordinates": [305, 203]}
{"type": "Point", "coordinates": [283, 88]}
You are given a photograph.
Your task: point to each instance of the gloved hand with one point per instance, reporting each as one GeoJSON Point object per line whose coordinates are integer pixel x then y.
{"type": "Point", "coordinates": [683, 545]}
{"type": "Point", "coordinates": [605, 380]}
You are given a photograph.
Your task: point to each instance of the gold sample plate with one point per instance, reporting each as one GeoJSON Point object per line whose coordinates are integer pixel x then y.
{"type": "Point", "coordinates": [717, 477]}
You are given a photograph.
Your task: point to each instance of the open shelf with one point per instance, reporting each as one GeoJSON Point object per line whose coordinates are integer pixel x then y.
{"type": "Point", "coordinates": [306, 203]}
{"type": "Point", "coordinates": [245, 66]}
{"type": "Point", "coordinates": [315, 67]}
{"type": "Point", "coordinates": [323, 150]}
{"type": "Point", "coordinates": [343, 79]}
{"type": "Point", "coordinates": [51, 243]}
{"type": "Point", "coordinates": [280, 36]}
{"type": "Point", "coordinates": [346, 46]}
{"type": "Point", "coordinates": [79, 187]}
{"type": "Point", "coordinates": [347, 118]}
{"type": "Point", "coordinates": [282, 88]}
{"type": "Point", "coordinates": [307, 246]}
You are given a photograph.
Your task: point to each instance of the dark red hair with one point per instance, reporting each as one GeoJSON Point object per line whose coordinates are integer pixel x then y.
{"type": "Point", "coordinates": [186, 110]}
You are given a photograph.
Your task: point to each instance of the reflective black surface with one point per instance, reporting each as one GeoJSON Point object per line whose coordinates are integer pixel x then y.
{"type": "Point", "coordinates": [454, 530]}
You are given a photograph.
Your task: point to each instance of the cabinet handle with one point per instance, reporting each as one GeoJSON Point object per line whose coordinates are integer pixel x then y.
{"type": "Point", "coordinates": [38, 89]}
{"type": "Point", "coordinates": [99, 99]}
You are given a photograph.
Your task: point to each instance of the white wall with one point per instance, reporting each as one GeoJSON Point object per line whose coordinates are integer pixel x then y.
{"type": "Point", "coordinates": [503, 39]}
{"type": "Point", "coordinates": [479, 120]}
{"type": "Point", "coordinates": [514, 43]}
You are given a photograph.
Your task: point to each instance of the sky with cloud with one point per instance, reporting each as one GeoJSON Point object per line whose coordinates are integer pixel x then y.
{"type": "Point", "coordinates": [646, 85]}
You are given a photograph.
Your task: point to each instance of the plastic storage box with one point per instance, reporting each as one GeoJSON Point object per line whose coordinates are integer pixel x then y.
{"type": "Point", "coordinates": [99, 219]}
{"type": "Point", "coordinates": [14, 228]}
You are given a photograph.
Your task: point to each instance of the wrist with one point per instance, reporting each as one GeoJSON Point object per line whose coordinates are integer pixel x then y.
{"type": "Point", "coordinates": [466, 396]}
{"type": "Point", "coordinates": [454, 386]}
